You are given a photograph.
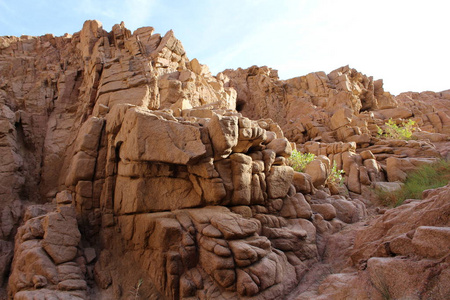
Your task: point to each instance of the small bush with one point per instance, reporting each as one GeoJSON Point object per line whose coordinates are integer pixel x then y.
{"type": "Point", "coordinates": [427, 176]}
{"type": "Point", "coordinates": [298, 160]}
{"type": "Point", "coordinates": [398, 132]}
{"type": "Point", "coordinates": [336, 175]}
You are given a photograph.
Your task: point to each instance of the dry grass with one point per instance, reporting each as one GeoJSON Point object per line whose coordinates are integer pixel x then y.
{"type": "Point", "coordinates": [429, 176]}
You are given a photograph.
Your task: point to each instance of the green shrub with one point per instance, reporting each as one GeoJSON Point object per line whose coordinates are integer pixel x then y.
{"type": "Point", "coordinates": [336, 175]}
{"type": "Point", "coordinates": [427, 176]}
{"type": "Point", "coordinates": [398, 132]}
{"type": "Point", "coordinates": [298, 160]}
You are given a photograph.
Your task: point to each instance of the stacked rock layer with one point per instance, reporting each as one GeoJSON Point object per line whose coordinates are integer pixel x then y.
{"type": "Point", "coordinates": [128, 170]}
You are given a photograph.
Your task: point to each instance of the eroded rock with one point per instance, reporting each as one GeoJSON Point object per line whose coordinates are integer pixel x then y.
{"type": "Point", "coordinates": [165, 183]}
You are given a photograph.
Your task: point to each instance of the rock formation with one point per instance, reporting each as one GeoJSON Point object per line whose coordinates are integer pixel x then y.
{"type": "Point", "coordinates": [344, 105]}
{"type": "Point", "coordinates": [320, 112]}
{"type": "Point", "coordinates": [401, 255]}
{"type": "Point", "coordinates": [55, 95]}
{"type": "Point", "coordinates": [128, 170]}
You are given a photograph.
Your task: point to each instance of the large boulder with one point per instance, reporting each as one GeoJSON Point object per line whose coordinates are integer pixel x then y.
{"type": "Point", "coordinates": [318, 172]}
{"type": "Point", "coordinates": [45, 253]}
{"type": "Point", "coordinates": [146, 137]}
{"type": "Point", "coordinates": [154, 194]}
{"type": "Point", "coordinates": [431, 241]}
{"type": "Point", "coordinates": [224, 132]}
{"type": "Point", "coordinates": [303, 183]}
{"type": "Point", "coordinates": [433, 211]}
{"type": "Point", "coordinates": [340, 118]}
{"type": "Point", "coordinates": [279, 181]}
{"type": "Point", "coordinates": [61, 235]}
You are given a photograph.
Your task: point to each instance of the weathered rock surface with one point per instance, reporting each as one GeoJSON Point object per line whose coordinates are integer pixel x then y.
{"type": "Point", "coordinates": [55, 97]}
{"type": "Point", "coordinates": [401, 254]}
{"type": "Point", "coordinates": [143, 153]}
{"type": "Point", "coordinates": [408, 219]}
{"type": "Point", "coordinates": [44, 264]}
{"type": "Point", "coordinates": [211, 216]}
{"type": "Point", "coordinates": [344, 105]}
{"type": "Point", "coordinates": [165, 182]}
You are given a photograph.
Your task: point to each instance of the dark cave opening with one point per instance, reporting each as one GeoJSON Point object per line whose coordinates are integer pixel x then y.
{"type": "Point", "coordinates": [240, 105]}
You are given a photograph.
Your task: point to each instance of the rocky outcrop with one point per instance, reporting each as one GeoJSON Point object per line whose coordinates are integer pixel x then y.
{"type": "Point", "coordinates": [46, 259]}
{"type": "Point", "coordinates": [54, 95]}
{"type": "Point", "coordinates": [422, 223]}
{"type": "Point", "coordinates": [50, 85]}
{"type": "Point", "coordinates": [198, 201]}
{"type": "Point", "coordinates": [362, 169]}
{"type": "Point", "coordinates": [338, 117]}
{"type": "Point", "coordinates": [431, 110]}
{"type": "Point", "coordinates": [148, 165]}
{"type": "Point", "coordinates": [402, 254]}
{"type": "Point", "coordinates": [321, 112]}
{"type": "Point", "coordinates": [128, 169]}
{"type": "Point", "coordinates": [329, 108]}
{"type": "Point", "coordinates": [344, 105]}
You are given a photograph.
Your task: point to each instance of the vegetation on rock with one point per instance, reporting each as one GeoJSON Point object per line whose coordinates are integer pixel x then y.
{"type": "Point", "coordinates": [428, 176]}
{"type": "Point", "coordinates": [392, 130]}
{"type": "Point", "coordinates": [336, 175]}
{"type": "Point", "coordinates": [298, 160]}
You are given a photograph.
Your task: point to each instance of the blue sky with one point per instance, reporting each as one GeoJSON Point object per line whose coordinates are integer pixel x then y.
{"type": "Point", "coordinates": [406, 43]}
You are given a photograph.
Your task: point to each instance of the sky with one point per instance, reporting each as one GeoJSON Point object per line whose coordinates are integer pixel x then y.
{"type": "Point", "coordinates": [405, 43]}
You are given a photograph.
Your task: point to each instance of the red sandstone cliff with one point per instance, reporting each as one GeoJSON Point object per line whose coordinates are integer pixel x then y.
{"type": "Point", "coordinates": [124, 162]}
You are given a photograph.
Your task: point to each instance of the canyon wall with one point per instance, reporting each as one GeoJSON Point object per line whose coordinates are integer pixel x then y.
{"type": "Point", "coordinates": [128, 170]}
{"type": "Point", "coordinates": [55, 93]}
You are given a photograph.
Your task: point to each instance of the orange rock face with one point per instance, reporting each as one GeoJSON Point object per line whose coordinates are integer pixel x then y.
{"type": "Point", "coordinates": [344, 105]}
{"type": "Point", "coordinates": [129, 170]}
{"type": "Point", "coordinates": [139, 151]}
